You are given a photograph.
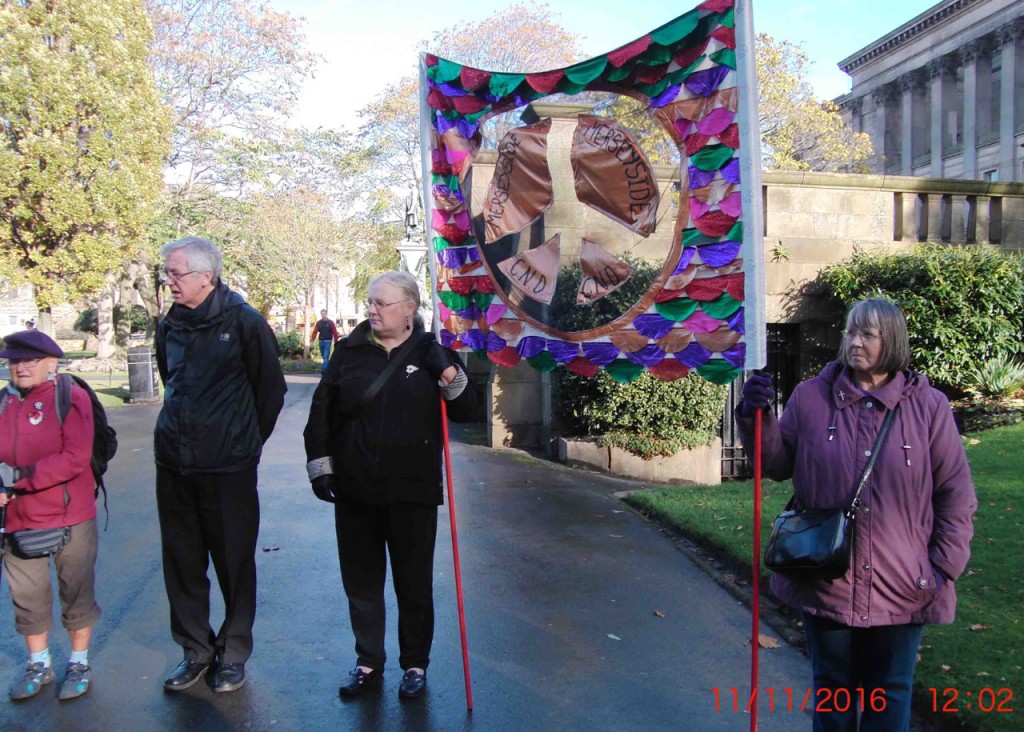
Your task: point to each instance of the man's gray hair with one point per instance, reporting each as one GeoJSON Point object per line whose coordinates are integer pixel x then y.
{"type": "Point", "coordinates": [885, 315]}
{"type": "Point", "coordinates": [202, 255]}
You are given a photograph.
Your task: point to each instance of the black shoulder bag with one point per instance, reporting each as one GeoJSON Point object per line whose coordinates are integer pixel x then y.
{"type": "Point", "coordinates": [815, 543]}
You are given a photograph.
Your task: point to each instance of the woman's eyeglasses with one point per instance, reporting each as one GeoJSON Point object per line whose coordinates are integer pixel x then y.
{"type": "Point", "coordinates": [379, 305]}
{"type": "Point", "coordinates": [865, 335]}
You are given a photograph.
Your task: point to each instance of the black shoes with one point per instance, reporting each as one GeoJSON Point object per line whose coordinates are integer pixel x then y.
{"type": "Point", "coordinates": [359, 681]}
{"type": "Point", "coordinates": [227, 677]}
{"type": "Point", "coordinates": [186, 675]}
{"type": "Point", "coordinates": [413, 685]}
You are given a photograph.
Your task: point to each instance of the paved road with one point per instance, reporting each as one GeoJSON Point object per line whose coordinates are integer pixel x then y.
{"type": "Point", "coordinates": [561, 581]}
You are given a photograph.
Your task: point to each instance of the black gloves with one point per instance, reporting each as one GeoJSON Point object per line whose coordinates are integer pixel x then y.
{"type": "Point", "coordinates": [758, 393]}
{"type": "Point", "coordinates": [323, 487]}
{"type": "Point", "coordinates": [437, 360]}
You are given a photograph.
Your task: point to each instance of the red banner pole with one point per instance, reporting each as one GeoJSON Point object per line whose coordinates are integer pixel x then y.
{"type": "Point", "coordinates": [455, 556]}
{"type": "Point", "coordinates": [756, 614]}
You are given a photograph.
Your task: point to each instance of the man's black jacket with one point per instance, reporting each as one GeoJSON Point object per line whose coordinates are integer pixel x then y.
{"type": "Point", "coordinates": [387, 451]}
{"type": "Point", "coordinates": [223, 385]}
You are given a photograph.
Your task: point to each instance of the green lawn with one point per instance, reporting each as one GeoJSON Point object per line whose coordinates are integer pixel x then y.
{"type": "Point", "coordinates": [984, 648]}
{"type": "Point", "coordinates": [111, 388]}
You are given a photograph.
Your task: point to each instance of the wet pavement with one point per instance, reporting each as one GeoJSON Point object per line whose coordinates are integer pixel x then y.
{"type": "Point", "coordinates": [581, 615]}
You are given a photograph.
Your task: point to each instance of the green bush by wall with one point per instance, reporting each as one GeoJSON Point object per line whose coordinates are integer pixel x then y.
{"type": "Point", "coordinates": [964, 305]}
{"type": "Point", "coordinates": [647, 416]}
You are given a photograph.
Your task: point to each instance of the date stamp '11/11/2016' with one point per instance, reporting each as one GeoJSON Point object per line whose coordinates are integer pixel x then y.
{"type": "Point", "coordinates": [825, 701]}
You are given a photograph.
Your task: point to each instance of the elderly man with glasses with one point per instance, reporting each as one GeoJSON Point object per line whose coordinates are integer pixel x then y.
{"type": "Point", "coordinates": [223, 391]}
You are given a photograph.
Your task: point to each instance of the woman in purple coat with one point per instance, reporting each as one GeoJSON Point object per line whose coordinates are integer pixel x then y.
{"type": "Point", "coordinates": [913, 530]}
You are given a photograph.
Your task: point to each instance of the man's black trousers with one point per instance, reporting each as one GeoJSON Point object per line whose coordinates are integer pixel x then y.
{"type": "Point", "coordinates": [406, 532]}
{"type": "Point", "coordinates": [206, 516]}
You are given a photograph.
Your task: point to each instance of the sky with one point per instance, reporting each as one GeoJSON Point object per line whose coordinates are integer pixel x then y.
{"type": "Point", "coordinates": [382, 37]}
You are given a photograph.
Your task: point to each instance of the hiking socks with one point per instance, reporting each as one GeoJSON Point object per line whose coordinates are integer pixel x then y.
{"type": "Point", "coordinates": [42, 657]}
{"type": "Point", "coordinates": [81, 657]}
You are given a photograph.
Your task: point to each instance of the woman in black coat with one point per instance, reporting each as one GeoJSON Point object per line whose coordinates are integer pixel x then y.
{"type": "Point", "coordinates": [376, 454]}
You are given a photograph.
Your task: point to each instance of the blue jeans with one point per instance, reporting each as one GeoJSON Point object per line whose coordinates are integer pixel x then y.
{"type": "Point", "coordinates": [848, 658]}
{"type": "Point", "coordinates": [325, 353]}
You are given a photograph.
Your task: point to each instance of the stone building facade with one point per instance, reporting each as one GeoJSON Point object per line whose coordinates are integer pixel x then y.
{"type": "Point", "coordinates": [942, 96]}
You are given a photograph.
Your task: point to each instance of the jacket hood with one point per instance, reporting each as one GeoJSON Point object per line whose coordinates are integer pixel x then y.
{"type": "Point", "coordinates": [845, 392]}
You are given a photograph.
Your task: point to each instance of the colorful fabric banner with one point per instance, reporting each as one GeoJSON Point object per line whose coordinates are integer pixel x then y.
{"type": "Point", "coordinates": [535, 271]}
{"type": "Point", "coordinates": [602, 273]}
{"type": "Point", "coordinates": [612, 175]}
{"type": "Point", "coordinates": [520, 190]}
{"type": "Point", "coordinates": [703, 310]}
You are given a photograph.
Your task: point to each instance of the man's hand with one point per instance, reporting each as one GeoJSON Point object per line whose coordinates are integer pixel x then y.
{"type": "Point", "coordinates": [323, 487]}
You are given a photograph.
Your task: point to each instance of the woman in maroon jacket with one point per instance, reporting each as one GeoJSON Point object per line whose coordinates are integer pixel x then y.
{"type": "Point", "coordinates": [912, 532]}
{"type": "Point", "coordinates": [48, 483]}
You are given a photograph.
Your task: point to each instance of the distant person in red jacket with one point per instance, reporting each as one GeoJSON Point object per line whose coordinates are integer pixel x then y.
{"type": "Point", "coordinates": [46, 482]}
{"type": "Point", "coordinates": [327, 334]}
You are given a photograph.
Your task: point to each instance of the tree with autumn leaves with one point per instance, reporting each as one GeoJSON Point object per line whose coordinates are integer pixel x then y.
{"type": "Point", "coordinates": [85, 137]}
{"type": "Point", "coordinates": [799, 131]}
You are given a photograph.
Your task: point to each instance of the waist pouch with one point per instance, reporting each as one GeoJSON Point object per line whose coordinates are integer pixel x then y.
{"type": "Point", "coordinates": [31, 543]}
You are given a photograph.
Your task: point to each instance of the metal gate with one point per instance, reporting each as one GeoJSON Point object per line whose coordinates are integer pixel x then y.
{"type": "Point", "coordinates": [784, 366]}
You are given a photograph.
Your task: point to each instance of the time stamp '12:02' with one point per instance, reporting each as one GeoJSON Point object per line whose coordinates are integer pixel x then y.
{"type": "Point", "coordinates": [984, 699]}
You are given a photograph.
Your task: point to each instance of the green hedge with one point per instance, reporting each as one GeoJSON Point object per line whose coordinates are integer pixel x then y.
{"type": "Point", "coordinates": [964, 305]}
{"type": "Point", "coordinates": [289, 345]}
{"type": "Point", "coordinates": [647, 416]}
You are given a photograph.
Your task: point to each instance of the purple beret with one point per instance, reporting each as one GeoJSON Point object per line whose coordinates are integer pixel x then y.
{"type": "Point", "coordinates": [30, 344]}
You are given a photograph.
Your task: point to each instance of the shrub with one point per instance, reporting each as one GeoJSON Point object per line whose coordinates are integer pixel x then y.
{"type": "Point", "coordinates": [289, 345]}
{"type": "Point", "coordinates": [998, 377]}
{"type": "Point", "coordinates": [962, 304]}
{"type": "Point", "coordinates": [647, 416]}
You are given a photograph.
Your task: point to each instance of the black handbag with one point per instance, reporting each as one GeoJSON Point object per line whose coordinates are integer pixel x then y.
{"type": "Point", "coordinates": [32, 543]}
{"type": "Point", "coordinates": [815, 543]}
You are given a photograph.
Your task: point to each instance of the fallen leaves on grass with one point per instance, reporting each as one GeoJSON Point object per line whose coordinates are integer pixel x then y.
{"type": "Point", "coordinates": [976, 627]}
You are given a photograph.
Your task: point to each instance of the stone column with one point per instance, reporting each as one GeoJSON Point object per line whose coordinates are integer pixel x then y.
{"type": "Point", "coordinates": [969, 56]}
{"type": "Point", "coordinates": [851, 109]}
{"type": "Point", "coordinates": [879, 97]}
{"type": "Point", "coordinates": [906, 87]}
{"type": "Point", "coordinates": [1008, 89]}
{"type": "Point", "coordinates": [939, 70]}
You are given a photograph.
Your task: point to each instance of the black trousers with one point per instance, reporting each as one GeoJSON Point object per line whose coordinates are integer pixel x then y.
{"type": "Point", "coordinates": [407, 533]}
{"type": "Point", "coordinates": [202, 517]}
